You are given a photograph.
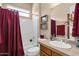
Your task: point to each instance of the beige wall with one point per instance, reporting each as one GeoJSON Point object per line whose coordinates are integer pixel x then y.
{"type": "Point", "coordinates": [58, 13]}
{"type": "Point", "coordinates": [45, 10]}
{"type": "Point", "coordinates": [36, 13]}
{"type": "Point", "coordinates": [22, 5]}
{"type": "Point", "coordinates": [36, 9]}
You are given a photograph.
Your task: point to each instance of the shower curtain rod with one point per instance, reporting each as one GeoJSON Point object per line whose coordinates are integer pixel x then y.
{"type": "Point", "coordinates": [20, 11]}
{"type": "Point", "coordinates": [28, 13]}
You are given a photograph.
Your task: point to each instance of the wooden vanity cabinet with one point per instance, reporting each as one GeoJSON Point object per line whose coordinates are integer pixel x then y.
{"type": "Point", "coordinates": [55, 54]}
{"type": "Point", "coordinates": [45, 51]}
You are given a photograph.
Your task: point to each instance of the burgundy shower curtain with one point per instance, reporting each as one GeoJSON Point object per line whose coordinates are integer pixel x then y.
{"type": "Point", "coordinates": [75, 30]}
{"type": "Point", "coordinates": [10, 35]}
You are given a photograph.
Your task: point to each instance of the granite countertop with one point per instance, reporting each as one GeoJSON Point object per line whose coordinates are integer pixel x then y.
{"type": "Point", "coordinates": [73, 51]}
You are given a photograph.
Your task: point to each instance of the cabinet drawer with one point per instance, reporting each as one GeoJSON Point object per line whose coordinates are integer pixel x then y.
{"type": "Point", "coordinates": [45, 50]}
{"type": "Point", "coordinates": [43, 54]}
{"type": "Point", "coordinates": [55, 54]}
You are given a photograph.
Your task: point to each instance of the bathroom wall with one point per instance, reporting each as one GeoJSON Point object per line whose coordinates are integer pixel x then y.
{"type": "Point", "coordinates": [35, 28]}
{"type": "Point", "coordinates": [36, 17]}
{"type": "Point", "coordinates": [58, 13]}
{"type": "Point", "coordinates": [45, 10]}
{"type": "Point", "coordinates": [26, 6]}
{"type": "Point", "coordinates": [36, 8]}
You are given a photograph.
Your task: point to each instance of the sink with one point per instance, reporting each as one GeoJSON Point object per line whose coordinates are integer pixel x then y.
{"type": "Point", "coordinates": [60, 44]}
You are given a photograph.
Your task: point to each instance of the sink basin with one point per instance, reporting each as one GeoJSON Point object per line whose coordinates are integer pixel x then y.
{"type": "Point", "coordinates": [60, 44]}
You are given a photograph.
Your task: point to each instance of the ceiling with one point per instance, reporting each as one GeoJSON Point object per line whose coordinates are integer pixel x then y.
{"type": "Point", "coordinates": [51, 5]}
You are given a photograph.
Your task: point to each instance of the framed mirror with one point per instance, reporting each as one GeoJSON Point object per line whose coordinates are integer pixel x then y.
{"type": "Point", "coordinates": [44, 26]}
{"type": "Point", "coordinates": [44, 20]}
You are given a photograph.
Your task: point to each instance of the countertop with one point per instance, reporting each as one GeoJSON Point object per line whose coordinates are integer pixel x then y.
{"type": "Point", "coordinates": [73, 51]}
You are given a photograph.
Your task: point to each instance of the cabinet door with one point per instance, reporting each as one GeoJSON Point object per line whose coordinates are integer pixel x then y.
{"type": "Point", "coordinates": [43, 54]}
{"type": "Point", "coordinates": [55, 54]}
{"type": "Point", "coordinates": [45, 50]}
